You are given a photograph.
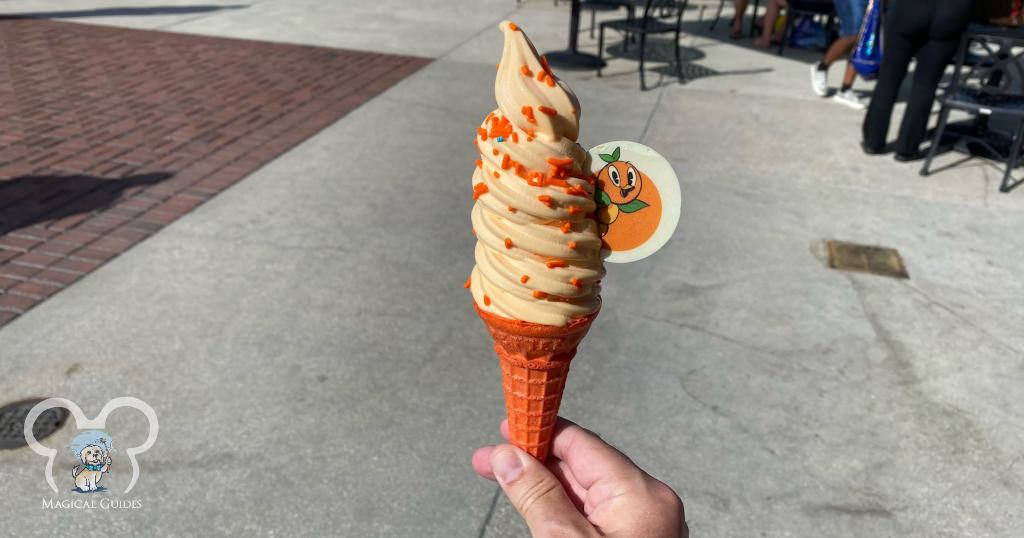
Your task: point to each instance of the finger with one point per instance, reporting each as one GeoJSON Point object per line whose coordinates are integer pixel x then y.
{"type": "Point", "coordinates": [588, 457]}
{"type": "Point", "coordinates": [536, 494]}
{"type": "Point", "coordinates": [482, 462]}
{"type": "Point", "coordinates": [577, 493]}
{"type": "Point", "coordinates": [504, 429]}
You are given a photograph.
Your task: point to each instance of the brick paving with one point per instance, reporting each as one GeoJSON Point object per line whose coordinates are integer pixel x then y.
{"type": "Point", "coordinates": [107, 134]}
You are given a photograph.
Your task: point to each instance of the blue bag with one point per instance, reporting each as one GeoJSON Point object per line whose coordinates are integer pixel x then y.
{"type": "Point", "coordinates": [867, 55]}
{"type": "Point", "coordinates": [807, 34]}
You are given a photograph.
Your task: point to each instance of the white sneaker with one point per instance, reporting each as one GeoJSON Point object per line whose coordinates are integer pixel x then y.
{"type": "Point", "coordinates": [849, 99]}
{"type": "Point", "coordinates": [819, 80]}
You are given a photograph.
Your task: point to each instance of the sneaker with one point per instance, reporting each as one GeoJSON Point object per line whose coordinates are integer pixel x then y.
{"type": "Point", "coordinates": [819, 80]}
{"type": "Point", "coordinates": [849, 99]}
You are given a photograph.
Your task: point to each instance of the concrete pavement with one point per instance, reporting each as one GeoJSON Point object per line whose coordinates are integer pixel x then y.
{"type": "Point", "coordinates": [318, 369]}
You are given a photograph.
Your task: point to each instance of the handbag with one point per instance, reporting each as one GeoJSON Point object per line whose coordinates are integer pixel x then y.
{"type": "Point", "coordinates": [867, 54]}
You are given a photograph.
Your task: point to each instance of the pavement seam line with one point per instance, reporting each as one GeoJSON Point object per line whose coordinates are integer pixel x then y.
{"type": "Point", "coordinates": [490, 512]}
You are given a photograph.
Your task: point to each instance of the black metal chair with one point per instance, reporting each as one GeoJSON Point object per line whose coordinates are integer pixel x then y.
{"type": "Point", "coordinates": [983, 85]}
{"type": "Point", "coordinates": [809, 7]}
{"type": "Point", "coordinates": [607, 5]}
{"type": "Point", "coordinates": [660, 16]}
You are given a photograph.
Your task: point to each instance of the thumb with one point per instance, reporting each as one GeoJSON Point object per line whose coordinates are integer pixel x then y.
{"type": "Point", "coordinates": [536, 494]}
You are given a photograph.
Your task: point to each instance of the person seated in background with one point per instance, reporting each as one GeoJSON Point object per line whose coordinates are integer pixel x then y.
{"type": "Point", "coordinates": [851, 17]}
{"type": "Point", "coordinates": [928, 32]}
{"type": "Point", "coordinates": [737, 20]}
{"type": "Point", "coordinates": [769, 36]}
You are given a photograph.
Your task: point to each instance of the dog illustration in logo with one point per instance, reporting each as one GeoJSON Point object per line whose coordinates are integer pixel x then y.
{"type": "Point", "coordinates": [619, 184]}
{"type": "Point", "coordinates": [96, 461]}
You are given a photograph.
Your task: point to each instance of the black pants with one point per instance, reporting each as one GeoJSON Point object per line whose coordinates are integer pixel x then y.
{"type": "Point", "coordinates": [928, 31]}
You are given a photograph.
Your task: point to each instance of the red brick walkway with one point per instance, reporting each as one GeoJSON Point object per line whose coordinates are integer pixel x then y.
{"type": "Point", "coordinates": [107, 134]}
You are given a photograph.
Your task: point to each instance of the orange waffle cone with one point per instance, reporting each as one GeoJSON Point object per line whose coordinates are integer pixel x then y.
{"type": "Point", "coordinates": [534, 365]}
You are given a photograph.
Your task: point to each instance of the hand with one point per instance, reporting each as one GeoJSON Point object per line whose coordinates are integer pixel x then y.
{"type": "Point", "coordinates": [587, 488]}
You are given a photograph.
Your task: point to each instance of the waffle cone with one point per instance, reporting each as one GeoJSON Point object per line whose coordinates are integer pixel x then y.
{"type": "Point", "coordinates": [534, 362]}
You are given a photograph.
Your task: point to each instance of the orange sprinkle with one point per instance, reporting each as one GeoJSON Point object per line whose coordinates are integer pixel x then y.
{"type": "Point", "coordinates": [548, 110]}
{"type": "Point", "coordinates": [495, 152]}
{"type": "Point", "coordinates": [549, 81]}
{"type": "Point", "coordinates": [557, 182]}
{"type": "Point", "coordinates": [555, 264]}
{"type": "Point", "coordinates": [483, 134]}
{"type": "Point", "coordinates": [469, 282]}
{"type": "Point", "coordinates": [515, 137]}
{"type": "Point", "coordinates": [555, 172]}
{"type": "Point", "coordinates": [531, 133]}
{"type": "Point", "coordinates": [541, 75]}
{"type": "Point", "coordinates": [575, 210]}
{"type": "Point", "coordinates": [576, 190]}
{"type": "Point", "coordinates": [572, 245]}
{"type": "Point", "coordinates": [536, 179]}
{"type": "Point", "coordinates": [512, 209]}
{"type": "Point", "coordinates": [560, 162]}
{"type": "Point", "coordinates": [479, 163]}
{"type": "Point", "coordinates": [566, 227]}
{"type": "Point", "coordinates": [496, 175]}
{"type": "Point", "coordinates": [508, 242]}
{"type": "Point", "coordinates": [506, 162]}
{"type": "Point", "coordinates": [487, 300]}
{"type": "Point", "coordinates": [527, 111]}
{"type": "Point", "coordinates": [545, 199]}
{"type": "Point", "coordinates": [539, 294]}
{"type": "Point", "coordinates": [512, 26]}
{"type": "Point", "coordinates": [524, 279]}
{"type": "Point", "coordinates": [526, 71]}
{"type": "Point", "coordinates": [479, 189]}
{"type": "Point", "coordinates": [576, 282]}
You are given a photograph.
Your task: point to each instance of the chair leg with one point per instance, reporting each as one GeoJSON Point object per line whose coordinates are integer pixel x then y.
{"type": "Point", "coordinates": [753, 17]}
{"type": "Point", "coordinates": [643, 47]}
{"type": "Point", "coordinates": [718, 14]}
{"type": "Point", "coordinates": [1011, 162]}
{"type": "Point", "coordinates": [787, 29]}
{"type": "Point", "coordinates": [593, 20]}
{"type": "Point", "coordinates": [600, 49]}
{"type": "Point", "coordinates": [679, 63]}
{"type": "Point", "coordinates": [939, 129]}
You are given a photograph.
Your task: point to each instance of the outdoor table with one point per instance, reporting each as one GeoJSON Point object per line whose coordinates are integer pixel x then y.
{"type": "Point", "coordinates": [572, 58]}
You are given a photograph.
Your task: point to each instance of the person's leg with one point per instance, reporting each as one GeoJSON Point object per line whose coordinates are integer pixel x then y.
{"type": "Point", "coordinates": [774, 7]}
{"type": "Point", "coordinates": [839, 49]}
{"type": "Point", "coordinates": [932, 60]}
{"type": "Point", "coordinates": [900, 46]}
{"type": "Point", "coordinates": [737, 22]}
{"type": "Point", "coordinates": [947, 23]}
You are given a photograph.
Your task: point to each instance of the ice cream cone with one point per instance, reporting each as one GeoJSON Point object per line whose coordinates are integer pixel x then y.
{"type": "Point", "coordinates": [534, 365]}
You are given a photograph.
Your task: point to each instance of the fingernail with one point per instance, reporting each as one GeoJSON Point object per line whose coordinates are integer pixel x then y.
{"type": "Point", "coordinates": [506, 465]}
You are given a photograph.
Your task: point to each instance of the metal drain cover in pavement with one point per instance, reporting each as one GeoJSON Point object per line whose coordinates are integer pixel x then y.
{"type": "Point", "coordinates": [865, 259]}
{"type": "Point", "coordinates": [12, 422]}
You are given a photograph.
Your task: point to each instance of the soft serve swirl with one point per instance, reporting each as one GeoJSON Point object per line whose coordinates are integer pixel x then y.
{"type": "Point", "coordinates": [538, 251]}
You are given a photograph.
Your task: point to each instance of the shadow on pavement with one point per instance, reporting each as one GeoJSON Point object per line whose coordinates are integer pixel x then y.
{"type": "Point", "coordinates": [28, 200]}
{"type": "Point", "coordinates": [662, 52]}
{"type": "Point", "coordinates": [122, 11]}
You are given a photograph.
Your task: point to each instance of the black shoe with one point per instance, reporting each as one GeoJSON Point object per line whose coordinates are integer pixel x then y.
{"type": "Point", "coordinates": [871, 150]}
{"type": "Point", "coordinates": [907, 157]}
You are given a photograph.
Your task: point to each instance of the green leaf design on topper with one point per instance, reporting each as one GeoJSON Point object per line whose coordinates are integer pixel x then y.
{"type": "Point", "coordinates": [610, 158]}
{"type": "Point", "coordinates": [603, 200]}
{"type": "Point", "coordinates": [632, 207]}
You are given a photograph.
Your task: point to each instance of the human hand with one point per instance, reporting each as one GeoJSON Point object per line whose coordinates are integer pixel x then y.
{"type": "Point", "coordinates": [587, 488]}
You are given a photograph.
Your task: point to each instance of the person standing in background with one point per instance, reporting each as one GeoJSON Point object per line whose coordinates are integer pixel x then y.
{"type": "Point", "coordinates": [851, 18]}
{"type": "Point", "coordinates": [928, 32]}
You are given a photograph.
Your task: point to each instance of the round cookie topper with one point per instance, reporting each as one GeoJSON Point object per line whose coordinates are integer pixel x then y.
{"type": "Point", "coordinates": [638, 200]}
